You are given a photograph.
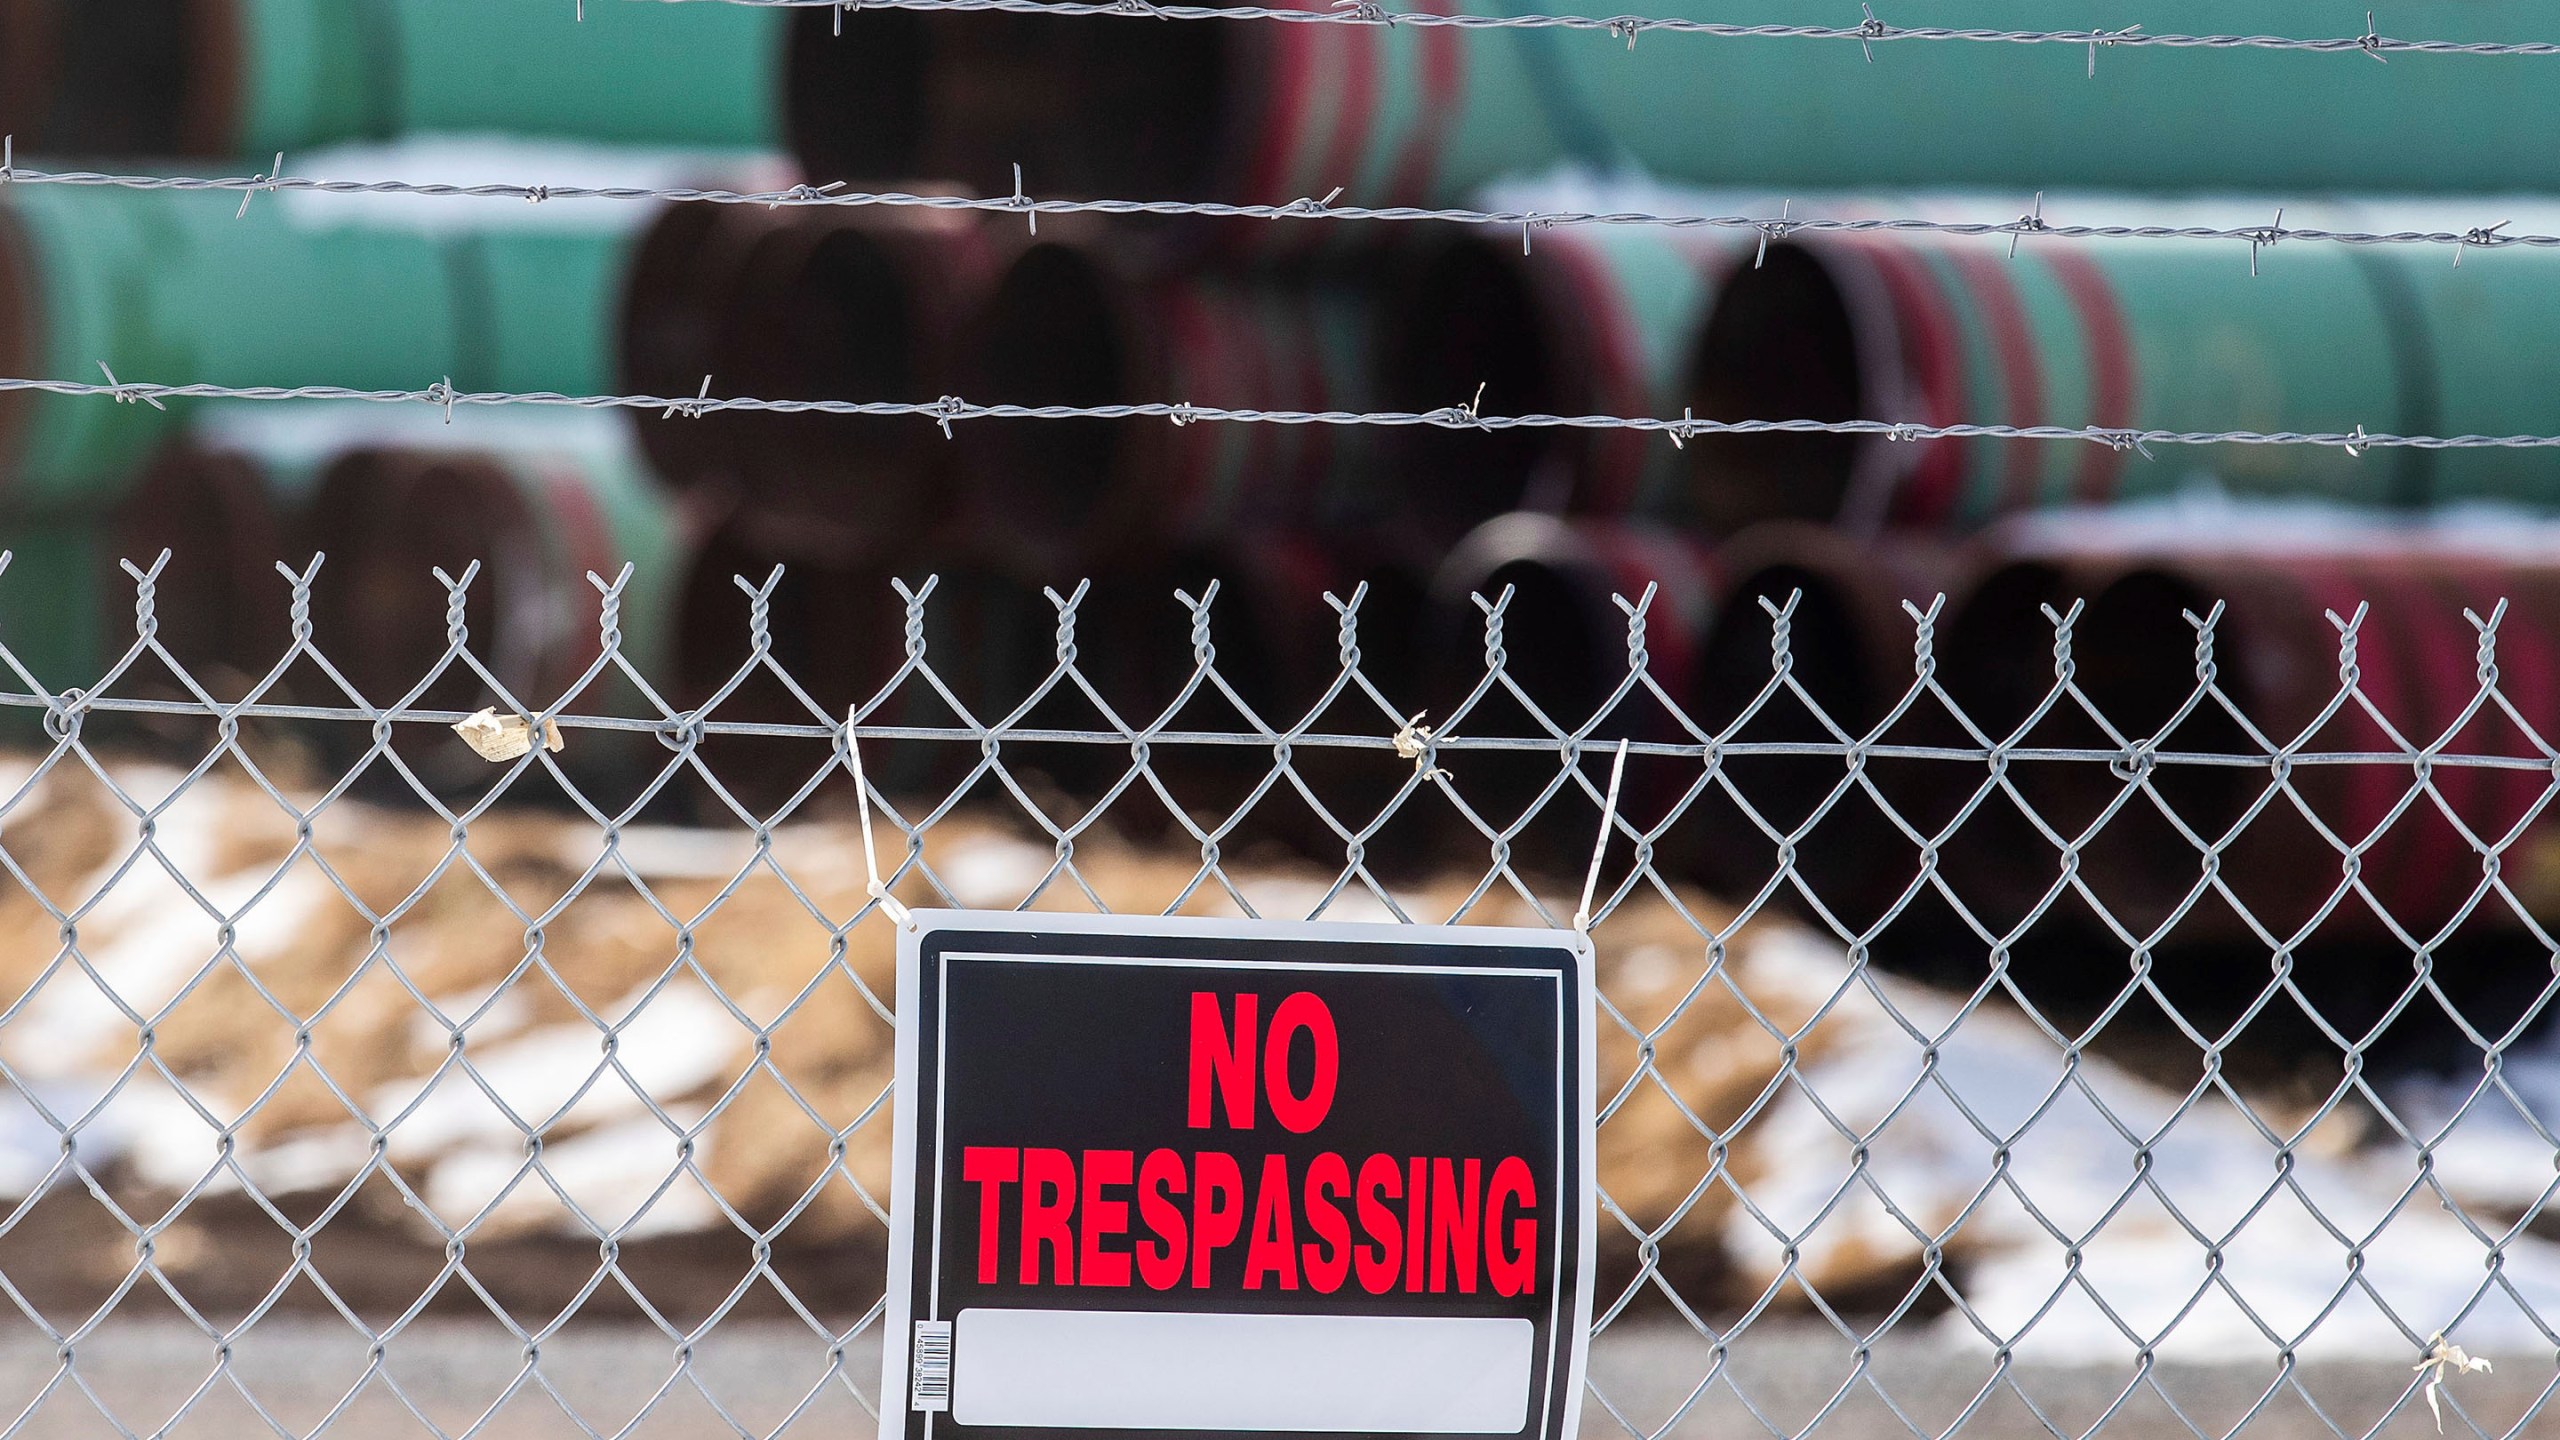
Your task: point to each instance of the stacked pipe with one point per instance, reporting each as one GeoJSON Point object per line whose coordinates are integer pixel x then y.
{"type": "Point", "coordinates": [183, 288]}
{"type": "Point", "coordinates": [1551, 652]}
{"type": "Point", "coordinates": [909, 305]}
{"type": "Point", "coordinates": [1428, 114]}
{"type": "Point", "coordinates": [188, 288]}
{"type": "Point", "coordinates": [219, 78]}
{"type": "Point", "coordinates": [2121, 335]}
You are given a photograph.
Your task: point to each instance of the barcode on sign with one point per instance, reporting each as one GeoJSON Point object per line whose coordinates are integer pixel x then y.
{"type": "Point", "coordinates": [929, 1367]}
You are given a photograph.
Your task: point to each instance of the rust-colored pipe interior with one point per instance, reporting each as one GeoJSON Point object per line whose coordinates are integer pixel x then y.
{"type": "Point", "coordinates": [1053, 334]}
{"type": "Point", "coordinates": [969, 95]}
{"type": "Point", "coordinates": [1778, 345]}
{"type": "Point", "coordinates": [1458, 321]}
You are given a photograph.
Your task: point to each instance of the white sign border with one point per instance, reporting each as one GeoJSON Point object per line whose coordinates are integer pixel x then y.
{"type": "Point", "coordinates": [897, 1317]}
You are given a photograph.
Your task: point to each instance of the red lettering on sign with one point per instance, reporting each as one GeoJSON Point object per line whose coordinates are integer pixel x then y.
{"type": "Point", "coordinates": [1214, 1225]}
{"type": "Point", "coordinates": [1106, 1219]}
{"type": "Point", "coordinates": [1378, 1260]}
{"type": "Point", "coordinates": [1273, 1251]}
{"type": "Point", "coordinates": [1225, 1056]}
{"type": "Point", "coordinates": [1415, 1224]}
{"type": "Point", "coordinates": [1299, 1114]}
{"type": "Point", "coordinates": [1048, 1200]}
{"type": "Point", "coordinates": [1160, 1260]}
{"type": "Point", "coordinates": [1328, 1183]}
{"type": "Point", "coordinates": [1416, 1239]}
{"type": "Point", "coordinates": [1513, 1271]}
{"type": "Point", "coordinates": [990, 1168]}
{"type": "Point", "coordinates": [1454, 1218]}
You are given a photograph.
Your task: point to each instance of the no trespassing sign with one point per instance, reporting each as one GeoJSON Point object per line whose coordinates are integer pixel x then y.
{"type": "Point", "coordinates": [1159, 1177]}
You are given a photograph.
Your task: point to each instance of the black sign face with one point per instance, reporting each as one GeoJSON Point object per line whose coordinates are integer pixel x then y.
{"type": "Point", "coordinates": [1160, 1177]}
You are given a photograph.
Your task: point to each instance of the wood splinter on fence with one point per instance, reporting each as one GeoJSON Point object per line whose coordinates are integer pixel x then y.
{"type": "Point", "coordinates": [500, 738]}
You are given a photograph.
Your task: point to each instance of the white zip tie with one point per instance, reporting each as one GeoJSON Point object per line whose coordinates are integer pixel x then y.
{"type": "Point", "coordinates": [890, 905]}
{"type": "Point", "coordinates": [1600, 847]}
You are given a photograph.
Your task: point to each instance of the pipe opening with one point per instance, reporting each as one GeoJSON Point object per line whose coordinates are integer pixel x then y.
{"type": "Point", "coordinates": [119, 78]}
{"type": "Point", "coordinates": [1995, 655]}
{"type": "Point", "coordinates": [1465, 319]}
{"type": "Point", "coordinates": [831, 627]}
{"type": "Point", "coordinates": [1843, 858]}
{"type": "Point", "coordinates": [805, 616]}
{"type": "Point", "coordinates": [830, 315]}
{"type": "Point", "coordinates": [854, 104]}
{"type": "Point", "coordinates": [854, 329]}
{"type": "Point", "coordinates": [1825, 648]}
{"type": "Point", "coordinates": [668, 326]}
{"type": "Point", "coordinates": [1564, 643]}
{"type": "Point", "coordinates": [387, 520]}
{"type": "Point", "coordinates": [972, 95]}
{"type": "Point", "coordinates": [1052, 335]}
{"type": "Point", "coordinates": [2136, 661]}
{"type": "Point", "coordinates": [679, 308]}
{"type": "Point", "coordinates": [1779, 345]}
{"type": "Point", "coordinates": [221, 605]}
{"type": "Point", "coordinates": [1556, 634]}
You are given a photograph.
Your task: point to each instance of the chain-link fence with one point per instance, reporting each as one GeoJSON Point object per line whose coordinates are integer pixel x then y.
{"type": "Point", "coordinates": [376, 1068]}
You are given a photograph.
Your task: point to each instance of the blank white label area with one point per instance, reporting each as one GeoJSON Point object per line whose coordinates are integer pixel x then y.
{"type": "Point", "coordinates": [1090, 1370]}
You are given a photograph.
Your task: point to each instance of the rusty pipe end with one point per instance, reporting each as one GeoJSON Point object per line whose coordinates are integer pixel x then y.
{"type": "Point", "coordinates": [1058, 329]}
{"type": "Point", "coordinates": [1783, 340]}
{"type": "Point", "coordinates": [138, 77]}
{"type": "Point", "coordinates": [1462, 320]}
{"type": "Point", "coordinates": [894, 94]}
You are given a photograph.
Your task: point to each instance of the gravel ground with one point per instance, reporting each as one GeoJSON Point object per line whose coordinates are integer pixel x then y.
{"type": "Point", "coordinates": [761, 1377]}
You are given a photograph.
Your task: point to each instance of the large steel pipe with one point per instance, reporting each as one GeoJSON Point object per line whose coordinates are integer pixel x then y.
{"type": "Point", "coordinates": [1566, 656]}
{"type": "Point", "coordinates": [230, 77]}
{"type": "Point", "coordinates": [181, 288]}
{"type": "Point", "coordinates": [1253, 111]}
{"type": "Point", "coordinates": [1081, 322]}
{"type": "Point", "coordinates": [1824, 832]}
{"type": "Point", "coordinates": [2116, 335]}
{"type": "Point", "coordinates": [2317, 852]}
{"type": "Point", "coordinates": [816, 305]}
{"type": "Point", "coordinates": [828, 638]}
{"type": "Point", "coordinates": [220, 607]}
{"type": "Point", "coordinates": [538, 523]}
{"type": "Point", "coordinates": [1585, 321]}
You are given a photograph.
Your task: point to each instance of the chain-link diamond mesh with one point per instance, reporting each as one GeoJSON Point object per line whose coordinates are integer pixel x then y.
{"type": "Point", "coordinates": [357, 1084]}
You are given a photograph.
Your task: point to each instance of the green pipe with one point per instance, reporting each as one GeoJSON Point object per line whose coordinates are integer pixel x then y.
{"type": "Point", "coordinates": [178, 288]}
{"type": "Point", "coordinates": [225, 77]}
{"type": "Point", "coordinates": [2117, 335]}
{"type": "Point", "coordinates": [1410, 114]}
{"type": "Point", "coordinates": [52, 607]}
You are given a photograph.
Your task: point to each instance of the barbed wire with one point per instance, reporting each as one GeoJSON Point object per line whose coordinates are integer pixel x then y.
{"type": "Point", "coordinates": [1772, 227]}
{"type": "Point", "coordinates": [1869, 32]}
{"type": "Point", "coordinates": [952, 409]}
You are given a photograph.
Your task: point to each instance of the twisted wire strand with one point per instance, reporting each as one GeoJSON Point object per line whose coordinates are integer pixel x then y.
{"type": "Point", "coordinates": [1871, 31]}
{"type": "Point", "coordinates": [1773, 227]}
{"type": "Point", "coordinates": [951, 409]}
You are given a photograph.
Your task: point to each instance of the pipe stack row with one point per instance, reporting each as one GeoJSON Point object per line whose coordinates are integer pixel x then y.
{"type": "Point", "coordinates": [908, 304]}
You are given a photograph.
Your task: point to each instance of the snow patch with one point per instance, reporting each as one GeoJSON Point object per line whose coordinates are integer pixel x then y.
{"type": "Point", "coordinates": [2078, 1184]}
{"type": "Point", "coordinates": [680, 1040]}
